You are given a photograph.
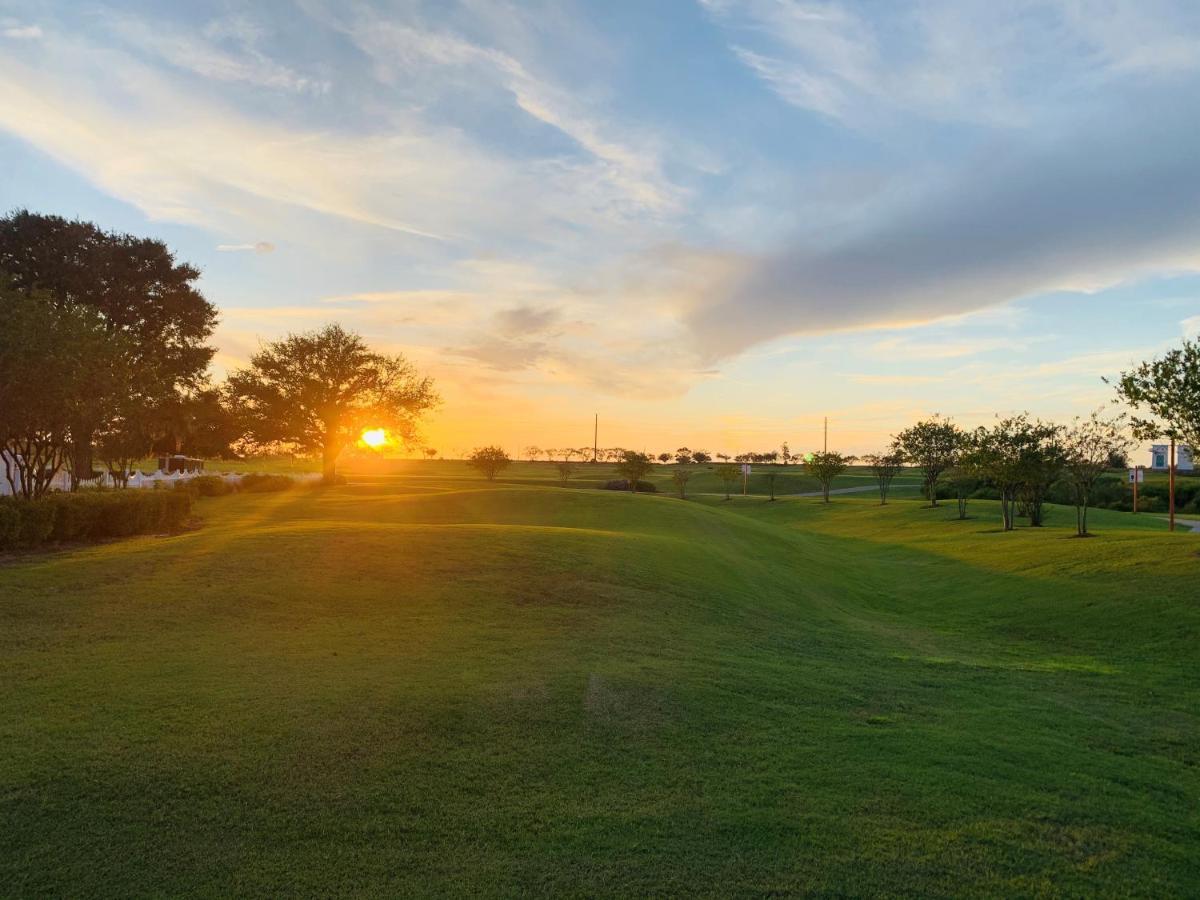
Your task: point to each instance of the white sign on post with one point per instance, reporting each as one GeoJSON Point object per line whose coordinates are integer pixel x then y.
{"type": "Point", "coordinates": [745, 468]}
{"type": "Point", "coordinates": [1137, 476]}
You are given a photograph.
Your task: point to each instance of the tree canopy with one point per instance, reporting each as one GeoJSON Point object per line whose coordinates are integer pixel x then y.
{"type": "Point", "coordinates": [319, 390]}
{"type": "Point", "coordinates": [1167, 391]}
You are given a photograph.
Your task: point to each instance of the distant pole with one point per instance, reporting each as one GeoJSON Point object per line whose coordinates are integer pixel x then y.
{"type": "Point", "coordinates": [827, 434]}
{"type": "Point", "coordinates": [596, 438]}
{"type": "Point", "coordinates": [1171, 483]}
{"type": "Point", "coordinates": [1137, 473]}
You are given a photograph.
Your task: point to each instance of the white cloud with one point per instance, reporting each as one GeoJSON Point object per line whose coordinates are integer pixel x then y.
{"type": "Point", "coordinates": [23, 32]}
{"type": "Point", "coordinates": [258, 247]}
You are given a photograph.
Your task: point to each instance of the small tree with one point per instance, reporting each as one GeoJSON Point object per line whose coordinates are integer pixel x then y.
{"type": "Point", "coordinates": [664, 458]}
{"type": "Point", "coordinates": [430, 452]}
{"type": "Point", "coordinates": [965, 481]}
{"type": "Point", "coordinates": [634, 466]}
{"type": "Point", "coordinates": [1089, 445]}
{"type": "Point", "coordinates": [723, 457]}
{"type": "Point", "coordinates": [785, 454]}
{"type": "Point", "coordinates": [701, 457]}
{"type": "Point", "coordinates": [729, 474]}
{"type": "Point", "coordinates": [931, 445]}
{"type": "Point", "coordinates": [320, 389]}
{"type": "Point", "coordinates": [490, 461]}
{"type": "Point", "coordinates": [565, 471]}
{"type": "Point", "coordinates": [885, 467]}
{"type": "Point", "coordinates": [683, 456]}
{"type": "Point", "coordinates": [770, 475]}
{"type": "Point", "coordinates": [680, 476]}
{"type": "Point", "coordinates": [532, 452]}
{"type": "Point", "coordinates": [825, 466]}
{"type": "Point", "coordinates": [1017, 456]}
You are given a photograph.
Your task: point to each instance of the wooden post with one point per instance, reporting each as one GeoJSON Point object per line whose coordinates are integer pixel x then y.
{"type": "Point", "coordinates": [1171, 483]}
{"type": "Point", "coordinates": [1137, 471]}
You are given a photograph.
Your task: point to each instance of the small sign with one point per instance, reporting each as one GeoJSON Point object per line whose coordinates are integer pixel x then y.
{"type": "Point", "coordinates": [1137, 476]}
{"type": "Point", "coordinates": [745, 468]}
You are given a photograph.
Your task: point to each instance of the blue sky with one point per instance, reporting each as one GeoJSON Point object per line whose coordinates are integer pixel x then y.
{"type": "Point", "coordinates": [712, 222]}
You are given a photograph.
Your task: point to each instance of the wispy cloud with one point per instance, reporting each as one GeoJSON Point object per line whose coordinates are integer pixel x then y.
{"type": "Point", "coordinates": [257, 247]}
{"type": "Point", "coordinates": [22, 32]}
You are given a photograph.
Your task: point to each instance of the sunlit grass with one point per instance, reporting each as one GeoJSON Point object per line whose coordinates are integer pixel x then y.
{"type": "Point", "coordinates": [424, 685]}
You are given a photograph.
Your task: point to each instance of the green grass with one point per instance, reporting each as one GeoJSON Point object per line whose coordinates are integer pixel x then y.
{"type": "Point", "coordinates": [431, 685]}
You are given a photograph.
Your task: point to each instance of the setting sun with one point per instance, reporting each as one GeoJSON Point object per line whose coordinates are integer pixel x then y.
{"type": "Point", "coordinates": [374, 437]}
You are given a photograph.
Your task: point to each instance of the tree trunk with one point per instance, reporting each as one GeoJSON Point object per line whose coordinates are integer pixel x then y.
{"type": "Point", "coordinates": [329, 455]}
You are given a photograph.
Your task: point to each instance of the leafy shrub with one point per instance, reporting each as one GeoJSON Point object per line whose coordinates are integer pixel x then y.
{"type": "Point", "coordinates": [10, 523]}
{"type": "Point", "coordinates": [207, 486]}
{"type": "Point", "coordinates": [91, 515]}
{"type": "Point", "coordinates": [621, 484]}
{"type": "Point", "coordinates": [262, 483]}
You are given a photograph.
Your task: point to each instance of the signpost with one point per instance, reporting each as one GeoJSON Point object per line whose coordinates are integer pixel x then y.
{"type": "Point", "coordinates": [1136, 476]}
{"type": "Point", "coordinates": [745, 477]}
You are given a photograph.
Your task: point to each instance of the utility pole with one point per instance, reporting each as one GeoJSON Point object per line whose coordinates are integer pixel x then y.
{"type": "Point", "coordinates": [1171, 483]}
{"type": "Point", "coordinates": [596, 438]}
{"type": "Point", "coordinates": [827, 434]}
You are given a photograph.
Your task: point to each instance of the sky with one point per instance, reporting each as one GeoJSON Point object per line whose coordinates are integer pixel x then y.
{"type": "Point", "coordinates": [713, 223]}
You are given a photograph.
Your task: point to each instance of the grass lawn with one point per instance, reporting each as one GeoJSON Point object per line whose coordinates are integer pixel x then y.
{"type": "Point", "coordinates": [424, 684]}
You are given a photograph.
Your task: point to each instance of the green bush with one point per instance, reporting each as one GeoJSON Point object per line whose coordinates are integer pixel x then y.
{"type": "Point", "coordinates": [206, 486]}
{"type": "Point", "coordinates": [10, 523]}
{"type": "Point", "coordinates": [263, 483]}
{"type": "Point", "coordinates": [90, 516]}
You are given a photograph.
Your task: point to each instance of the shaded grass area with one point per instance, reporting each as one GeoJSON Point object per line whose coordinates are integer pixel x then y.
{"type": "Point", "coordinates": [437, 687]}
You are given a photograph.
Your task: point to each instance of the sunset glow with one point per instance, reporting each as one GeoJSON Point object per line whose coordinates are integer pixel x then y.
{"type": "Point", "coordinates": [375, 438]}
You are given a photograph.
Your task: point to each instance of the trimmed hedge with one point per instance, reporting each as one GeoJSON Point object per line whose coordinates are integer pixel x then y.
{"type": "Point", "coordinates": [643, 487]}
{"type": "Point", "coordinates": [90, 516]}
{"type": "Point", "coordinates": [262, 483]}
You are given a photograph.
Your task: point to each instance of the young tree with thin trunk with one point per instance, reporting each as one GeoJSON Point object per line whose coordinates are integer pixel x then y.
{"type": "Point", "coordinates": [319, 390]}
{"type": "Point", "coordinates": [565, 470]}
{"type": "Point", "coordinates": [489, 461]}
{"type": "Point", "coordinates": [680, 476]}
{"type": "Point", "coordinates": [532, 452]}
{"type": "Point", "coordinates": [1089, 446]}
{"type": "Point", "coordinates": [770, 476]}
{"type": "Point", "coordinates": [825, 466]}
{"type": "Point", "coordinates": [634, 467]}
{"type": "Point", "coordinates": [785, 453]}
{"type": "Point", "coordinates": [885, 467]}
{"type": "Point", "coordinates": [729, 474]}
{"type": "Point", "coordinates": [930, 445]}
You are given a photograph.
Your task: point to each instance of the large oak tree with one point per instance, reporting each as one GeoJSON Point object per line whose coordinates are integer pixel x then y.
{"type": "Point", "coordinates": [137, 290]}
{"type": "Point", "coordinates": [319, 390]}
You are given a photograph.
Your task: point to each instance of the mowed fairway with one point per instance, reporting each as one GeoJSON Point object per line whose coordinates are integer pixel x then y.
{"type": "Point", "coordinates": [414, 686]}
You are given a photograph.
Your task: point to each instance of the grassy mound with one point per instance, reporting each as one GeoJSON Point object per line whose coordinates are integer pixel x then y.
{"type": "Point", "coordinates": [425, 686]}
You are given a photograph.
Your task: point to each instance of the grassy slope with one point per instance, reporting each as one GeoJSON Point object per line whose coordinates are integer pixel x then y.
{"type": "Point", "coordinates": [446, 687]}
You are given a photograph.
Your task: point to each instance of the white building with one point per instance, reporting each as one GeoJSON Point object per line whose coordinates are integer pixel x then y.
{"type": "Point", "coordinates": [1160, 455]}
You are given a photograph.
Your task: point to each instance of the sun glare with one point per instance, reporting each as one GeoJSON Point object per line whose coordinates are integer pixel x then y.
{"type": "Point", "coordinates": [374, 437]}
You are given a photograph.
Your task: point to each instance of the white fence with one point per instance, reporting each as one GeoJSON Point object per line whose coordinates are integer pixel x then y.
{"type": "Point", "coordinates": [140, 480]}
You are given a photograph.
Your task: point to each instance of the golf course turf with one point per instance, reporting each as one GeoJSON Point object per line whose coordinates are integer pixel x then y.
{"type": "Point", "coordinates": [440, 686]}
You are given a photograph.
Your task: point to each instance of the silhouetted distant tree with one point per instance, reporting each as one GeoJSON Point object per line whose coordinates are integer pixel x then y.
{"type": "Point", "coordinates": [634, 467]}
{"type": "Point", "coordinates": [490, 461]}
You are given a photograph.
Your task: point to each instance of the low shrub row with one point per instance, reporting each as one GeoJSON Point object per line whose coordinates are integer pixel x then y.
{"type": "Point", "coordinates": [622, 484]}
{"type": "Point", "coordinates": [90, 516]}
{"type": "Point", "coordinates": [262, 483]}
